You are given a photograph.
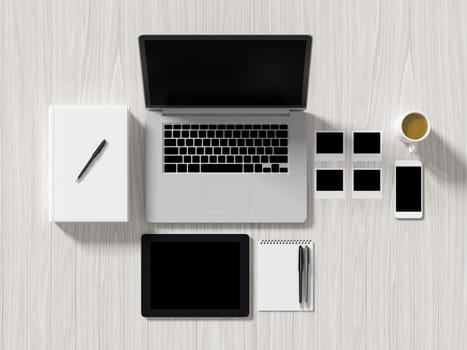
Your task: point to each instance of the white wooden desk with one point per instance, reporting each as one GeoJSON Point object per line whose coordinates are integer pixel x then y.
{"type": "Point", "coordinates": [380, 283]}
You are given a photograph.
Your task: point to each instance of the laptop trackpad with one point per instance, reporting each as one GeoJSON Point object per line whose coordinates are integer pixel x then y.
{"type": "Point", "coordinates": [226, 198]}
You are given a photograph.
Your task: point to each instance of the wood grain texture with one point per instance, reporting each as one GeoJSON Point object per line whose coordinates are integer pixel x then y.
{"type": "Point", "coordinates": [379, 283]}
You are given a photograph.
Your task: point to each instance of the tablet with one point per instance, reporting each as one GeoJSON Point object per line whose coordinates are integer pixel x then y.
{"type": "Point", "coordinates": [195, 275]}
{"type": "Point", "coordinates": [329, 145]}
{"type": "Point", "coordinates": [329, 183]}
{"type": "Point", "coordinates": [366, 146]}
{"type": "Point", "coordinates": [367, 183]}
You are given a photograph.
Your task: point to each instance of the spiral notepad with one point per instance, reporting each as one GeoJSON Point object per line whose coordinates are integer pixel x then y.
{"type": "Point", "coordinates": [278, 286]}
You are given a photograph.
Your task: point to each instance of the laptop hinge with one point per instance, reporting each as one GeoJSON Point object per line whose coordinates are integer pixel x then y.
{"type": "Point", "coordinates": [225, 111]}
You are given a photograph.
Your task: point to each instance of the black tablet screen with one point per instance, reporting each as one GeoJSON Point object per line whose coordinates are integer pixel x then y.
{"type": "Point", "coordinates": [195, 275]}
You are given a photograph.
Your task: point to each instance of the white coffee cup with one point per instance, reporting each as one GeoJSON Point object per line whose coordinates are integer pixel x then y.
{"type": "Point", "coordinates": [402, 134]}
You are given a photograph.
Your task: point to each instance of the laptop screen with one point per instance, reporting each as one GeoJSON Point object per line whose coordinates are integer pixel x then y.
{"type": "Point", "coordinates": [225, 70]}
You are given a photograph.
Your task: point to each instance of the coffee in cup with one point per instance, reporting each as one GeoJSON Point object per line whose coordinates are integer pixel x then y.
{"type": "Point", "coordinates": [412, 128]}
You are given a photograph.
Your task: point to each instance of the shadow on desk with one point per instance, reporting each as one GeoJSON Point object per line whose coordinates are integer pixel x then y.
{"type": "Point", "coordinates": [440, 159]}
{"type": "Point", "coordinates": [130, 232]}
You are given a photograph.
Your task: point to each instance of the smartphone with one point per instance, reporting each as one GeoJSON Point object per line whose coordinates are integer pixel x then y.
{"type": "Point", "coordinates": [408, 189]}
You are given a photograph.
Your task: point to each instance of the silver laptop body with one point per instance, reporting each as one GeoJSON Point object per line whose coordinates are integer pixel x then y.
{"type": "Point", "coordinates": [216, 163]}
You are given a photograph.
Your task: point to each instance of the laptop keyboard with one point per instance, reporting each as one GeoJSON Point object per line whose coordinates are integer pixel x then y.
{"type": "Point", "coordinates": [225, 148]}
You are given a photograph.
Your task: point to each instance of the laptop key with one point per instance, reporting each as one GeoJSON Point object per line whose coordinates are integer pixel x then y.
{"type": "Point", "coordinates": [213, 159]}
{"type": "Point", "coordinates": [172, 159]}
{"type": "Point", "coordinates": [167, 134]}
{"type": "Point", "coordinates": [275, 168]}
{"type": "Point", "coordinates": [248, 168]}
{"type": "Point", "coordinates": [278, 159]}
{"type": "Point", "coordinates": [185, 133]}
{"type": "Point", "coordinates": [182, 150]}
{"type": "Point", "coordinates": [187, 159]}
{"type": "Point", "coordinates": [221, 168]}
{"type": "Point", "coordinates": [167, 126]}
{"type": "Point", "coordinates": [258, 168]}
{"type": "Point", "coordinates": [195, 159]}
{"type": "Point", "coordinates": [170, 150]}
{"type": "Point", "coordinates": [284, 142]}
{"type": "Point", "coordinates": [238, 159]}
{"type": "Point", "coordinates": [230, 159]}
{"type": "Point", "coordinates": [181, 168]}
{"type": "Point", "coordinates": [170, 168]}
{"type": "Point", "coordinates": [243, 150]}
{"type": "Point", "coordinates": [191, 150]}
{"type": "Point", "coordinates": [283, 126]}
{"type": "Point", "coordinates": [170, 142]}
{"type": "Point", "coordinates": [264, 159]}
{"type": "Point", "coordinates": [280, 150]}
{"type": "Point", "coordinates": [204, 159]}
{"type": "Point", "coordinates": [193, 168]}
{"type": "Point", "coordinates": [283, 170]}
{"type": "Point", "coordinates": [180, 142]}
{"type": "Point", "coordinates": [281, 134]}
{"type": "Point", "coordinates": [221, 159]}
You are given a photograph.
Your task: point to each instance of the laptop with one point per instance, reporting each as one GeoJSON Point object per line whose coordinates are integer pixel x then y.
{"type": "Point", "coordinates": [226, 132]}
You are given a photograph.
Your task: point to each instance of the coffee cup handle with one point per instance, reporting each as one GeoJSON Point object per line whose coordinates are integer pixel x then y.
{"type": "Point", "coordinates": [412, 148]}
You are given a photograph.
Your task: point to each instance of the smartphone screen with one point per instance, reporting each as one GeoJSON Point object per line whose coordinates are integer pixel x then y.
{"type": "Point", "coordinates": [409, 188]}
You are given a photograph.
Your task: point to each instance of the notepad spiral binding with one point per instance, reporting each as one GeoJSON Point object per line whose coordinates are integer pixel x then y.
{"type": "Point", "coordinates": [285, 241]}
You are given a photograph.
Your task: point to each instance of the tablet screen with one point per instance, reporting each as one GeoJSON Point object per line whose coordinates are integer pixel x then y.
{"type": "Point", "coordinates": [195, 275]}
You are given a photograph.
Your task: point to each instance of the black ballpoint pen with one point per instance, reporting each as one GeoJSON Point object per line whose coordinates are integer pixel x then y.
{"type": "Point", "coordinates": [94, 155]}
{"type": "Point", "coordinates": [300, 274]}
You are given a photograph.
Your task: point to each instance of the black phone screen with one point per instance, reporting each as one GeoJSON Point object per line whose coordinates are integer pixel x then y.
{"type": "Point", "coordinates": [409, 188]}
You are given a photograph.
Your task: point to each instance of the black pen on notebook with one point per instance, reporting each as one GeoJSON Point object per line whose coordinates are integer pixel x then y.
{"type": "Point", "coordinates": [93, 157]}
{"type": "Point", "coordinates": [300, 274]}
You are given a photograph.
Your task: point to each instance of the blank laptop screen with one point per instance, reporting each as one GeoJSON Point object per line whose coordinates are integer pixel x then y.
{"type": "Point", "coordinates": [225, 71]}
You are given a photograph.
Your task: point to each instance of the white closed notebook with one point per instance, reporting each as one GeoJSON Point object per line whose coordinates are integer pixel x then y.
{"type": "Point", "coordinates": [278, 276]}
{"type": "Point", "coordinates": [74, 134]}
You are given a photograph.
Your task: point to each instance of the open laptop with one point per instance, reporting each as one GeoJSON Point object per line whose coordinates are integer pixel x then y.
{"type": "Point", "coordinates": [225, 128]}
